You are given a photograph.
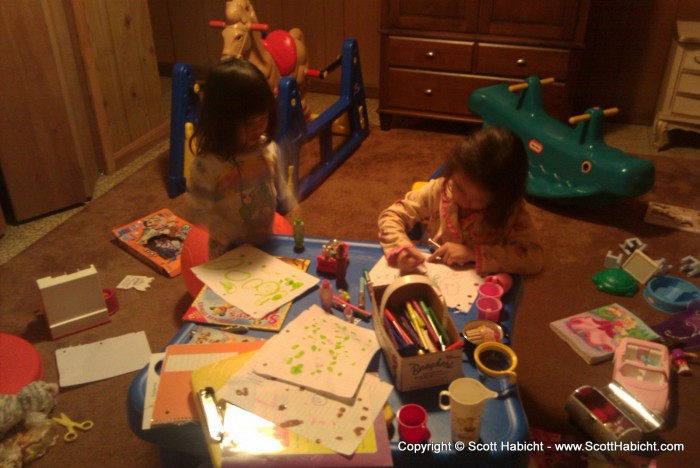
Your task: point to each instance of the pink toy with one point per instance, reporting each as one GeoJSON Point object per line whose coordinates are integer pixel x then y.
{"type": "Point", "coordinates": [642, 368]}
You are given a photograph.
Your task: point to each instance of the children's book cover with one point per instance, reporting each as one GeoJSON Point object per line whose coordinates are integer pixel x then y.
{"type": "Point", "coordinates": [209, 307]}
{"type": "Point", "coordinates": [156, 239]}
{"type": "Point", "coordinates": [594, 334]}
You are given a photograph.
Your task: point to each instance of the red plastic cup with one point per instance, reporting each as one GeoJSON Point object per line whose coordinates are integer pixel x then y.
{"type": "Point", "coordinates": [490, 289]}
{"type": "Point", "coordinates": [413, 423]}
{"type": "Point", "coordinates": [489, 308]}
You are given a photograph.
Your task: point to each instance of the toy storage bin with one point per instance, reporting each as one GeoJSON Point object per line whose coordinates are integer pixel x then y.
{"type": "Point", "coordinates": [422, 371]}
{"type": "Point", "coordinates": [611, 414]}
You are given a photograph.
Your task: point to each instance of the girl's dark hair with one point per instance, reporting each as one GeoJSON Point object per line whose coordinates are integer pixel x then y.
{"type": "Point", "coordinates": [235, 90]}
{"type": "Point", "coordinates": [495, 159]}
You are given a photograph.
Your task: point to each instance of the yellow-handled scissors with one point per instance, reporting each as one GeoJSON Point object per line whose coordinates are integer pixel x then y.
{"type": "Point", "coordinates": [71, 425]}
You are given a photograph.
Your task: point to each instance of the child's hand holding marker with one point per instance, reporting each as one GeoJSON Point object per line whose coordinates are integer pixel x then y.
{"type": "Point", "coordinates": [451, 253]}
{"type": "Point", "coordinates": [410, 260]}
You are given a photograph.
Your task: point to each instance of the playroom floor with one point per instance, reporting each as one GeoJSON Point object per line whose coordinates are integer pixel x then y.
{"type": "Point", "coordinates": [634, 139]}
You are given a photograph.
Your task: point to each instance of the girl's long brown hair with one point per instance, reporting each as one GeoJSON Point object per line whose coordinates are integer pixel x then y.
{"type": "Point", "coordinates": [495, 159]}
{"type": "Point", "coordinates": [235, 90]}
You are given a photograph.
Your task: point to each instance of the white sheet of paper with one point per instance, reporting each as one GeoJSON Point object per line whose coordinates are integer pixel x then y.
{"type": "Point", "coordinates": [319, 351]}
{"type": "Point", "coordinates": [254, 281]}
{"type": "Point", "coordinates": [331, 423]}
{"type": "Point", "coordinates": [103, 359]}
{"type": "Point", "coordinates": [459, 286]}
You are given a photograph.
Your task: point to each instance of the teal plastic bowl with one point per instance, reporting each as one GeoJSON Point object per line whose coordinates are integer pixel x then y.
{"type": "Point", "coordinates": [670, 294]}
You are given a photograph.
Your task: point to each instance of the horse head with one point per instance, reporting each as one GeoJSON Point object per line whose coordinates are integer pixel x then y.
{"type": "Point", "coordinates": [239, 16]}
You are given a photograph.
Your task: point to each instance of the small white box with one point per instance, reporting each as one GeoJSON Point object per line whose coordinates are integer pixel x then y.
{"type": "Point", "coordinates": [73, 302]}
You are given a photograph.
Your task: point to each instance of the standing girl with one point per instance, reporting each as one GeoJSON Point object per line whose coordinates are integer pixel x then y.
{"type": "Point", "coordinates": [236, 177]}
{"type": "Point", "coordinates": [476, 211]}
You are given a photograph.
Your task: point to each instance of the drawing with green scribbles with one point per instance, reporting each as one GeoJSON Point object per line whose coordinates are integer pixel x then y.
{"type": "Point", "coordinates": [319, 351]}
{"type": "Point", "coordinates": [254, 281]}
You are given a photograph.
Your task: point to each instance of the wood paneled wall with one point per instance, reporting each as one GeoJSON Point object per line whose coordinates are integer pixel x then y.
{"type": "Point", "coordinates": [81, 93]}
{"type": "Point", "coordinates": [181, 32]}
{"type": "Point", "coordinates": [126, 68]}
{"type": "Point", "coordinates": [627, 43]}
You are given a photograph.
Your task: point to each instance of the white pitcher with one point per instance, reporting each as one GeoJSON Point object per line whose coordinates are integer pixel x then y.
{"type": "Point", "coordinates": [466, 399]}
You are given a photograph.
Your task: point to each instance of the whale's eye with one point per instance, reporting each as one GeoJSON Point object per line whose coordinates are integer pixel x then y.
{"type": "Point", "coordinates": [586, 167]}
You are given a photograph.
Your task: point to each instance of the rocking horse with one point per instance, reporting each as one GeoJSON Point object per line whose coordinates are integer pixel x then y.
{"type": "Point", "coordinates": [280, 53]}
{"type": "Point", "coordinates": [281, 57]}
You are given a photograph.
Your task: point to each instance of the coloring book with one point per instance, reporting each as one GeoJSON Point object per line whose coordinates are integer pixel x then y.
{"type": "Point", "coordinates": [594, 334]}
{"type": "Point", "coordinates": [209, 307]}
{"type": "Point", "coordinates": [155, 239]}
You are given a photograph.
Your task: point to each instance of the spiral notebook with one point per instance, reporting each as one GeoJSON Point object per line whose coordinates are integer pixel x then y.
{"type": "Point", "coordinates": [174, 403]}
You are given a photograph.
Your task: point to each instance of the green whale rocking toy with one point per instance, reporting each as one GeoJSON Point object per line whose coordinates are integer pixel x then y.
{"type": "Point", "coordinates": [567, 165]}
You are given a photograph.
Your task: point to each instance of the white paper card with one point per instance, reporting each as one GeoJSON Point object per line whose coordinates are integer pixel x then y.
{"type": "Point", "coordinates": [319, 351]}
{"type": "Point", "coordinates": [254, 281]}
{"type": "Point", "coordinates": [103, 359]}
{"type": "Point", "coordinates": [459, 286]}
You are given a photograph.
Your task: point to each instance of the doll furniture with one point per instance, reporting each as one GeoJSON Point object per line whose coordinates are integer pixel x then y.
{"type": "Point", "coordinates": [679, 100]}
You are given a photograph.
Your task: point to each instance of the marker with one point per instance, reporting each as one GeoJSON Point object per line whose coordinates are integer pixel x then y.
{"type": "Point", "coordinates": [438, 324]}
{"type": "Point", "coordinates": [338, 302]}
{"type": "Point", "coordinates": [456, 345]}
{"type": "Point", "coordinates": [361, 293]}
{"type": "Point", "coordinates": [428, 326]}
{"type": "Point", "coordinates": [416, 326]}
{"type": "Point", "coordinates": [397, 327]}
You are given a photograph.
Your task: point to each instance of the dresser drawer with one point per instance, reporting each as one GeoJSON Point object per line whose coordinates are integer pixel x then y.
{"type": "Point", "coordinates": [689, 84]}
{"type": "Point", "coordinates": [691, 59]}
{"type": "Point", "coordinates": [432, 92]}
{"type": "Point", "coordinates": [499, 59]}
{"type": "Point", "coordinates": [430, 54]}
{"type": "Point", "coordinates": [686, 105]}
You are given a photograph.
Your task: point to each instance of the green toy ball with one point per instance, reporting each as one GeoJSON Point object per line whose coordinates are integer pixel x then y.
{"type": "Point", "coordinates": [616, 281]}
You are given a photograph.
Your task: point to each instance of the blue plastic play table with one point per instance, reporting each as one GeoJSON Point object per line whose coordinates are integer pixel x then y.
{"type": "Point", "coordinates": [504, 425]}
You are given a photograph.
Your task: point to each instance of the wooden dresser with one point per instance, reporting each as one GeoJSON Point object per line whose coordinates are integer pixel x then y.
{"type": "Point", "coordinates": [679, 100]}
{"type": "Point", "coordinates": [434, 53]}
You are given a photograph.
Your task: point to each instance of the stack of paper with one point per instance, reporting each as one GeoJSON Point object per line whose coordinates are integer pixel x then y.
{"type": "Point", "coordinates": [311, 379]}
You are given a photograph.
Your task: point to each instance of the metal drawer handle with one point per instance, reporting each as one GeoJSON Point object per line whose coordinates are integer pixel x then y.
{"type": "Point", "coordinates": [428, 92]}
{"type": "Point", "coordinates": [430, 55]}
{"type": "Point", "coordinates": [521, 62]}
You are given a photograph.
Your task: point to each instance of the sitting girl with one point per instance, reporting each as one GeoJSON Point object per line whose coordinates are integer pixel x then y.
{"type": "Point", "coordinates": [236, 177]}
{"type": "Point", "coordinates": [476, 211]}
